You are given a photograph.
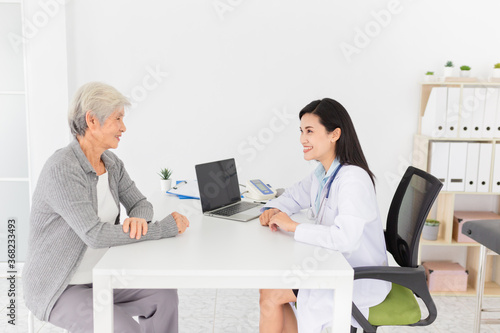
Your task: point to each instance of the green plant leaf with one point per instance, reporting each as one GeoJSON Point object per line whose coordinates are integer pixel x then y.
{"type": "Point", "coordinates": [165, 173]}
{"type": "Point", "coordinates": [431, 222]}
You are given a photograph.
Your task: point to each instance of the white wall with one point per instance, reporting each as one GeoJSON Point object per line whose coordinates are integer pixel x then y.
{"type": "Point", "coordinates": [225, 75]}
{"type": "Point", "coordinates": [44, 37]}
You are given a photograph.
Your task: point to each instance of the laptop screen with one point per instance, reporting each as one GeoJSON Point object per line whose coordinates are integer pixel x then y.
{"type": "Point", "coordinates": [218, 184]}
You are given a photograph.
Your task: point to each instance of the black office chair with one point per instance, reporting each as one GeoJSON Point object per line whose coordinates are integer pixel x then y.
{"type": "Point", "coordinates": [409, 209]}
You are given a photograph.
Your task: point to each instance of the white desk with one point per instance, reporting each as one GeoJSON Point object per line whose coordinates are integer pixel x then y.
{"type": "Point", "coordinates": [217, 253]}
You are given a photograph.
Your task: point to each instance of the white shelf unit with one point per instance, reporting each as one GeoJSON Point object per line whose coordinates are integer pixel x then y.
{"type": "Point", "coordinates": [445, 203]}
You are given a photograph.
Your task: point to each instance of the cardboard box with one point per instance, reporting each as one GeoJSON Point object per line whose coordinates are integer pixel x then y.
{"type": "Point", "coordinates": [445, 276]}
{"type": "Point", "coordinates": [460, 217]}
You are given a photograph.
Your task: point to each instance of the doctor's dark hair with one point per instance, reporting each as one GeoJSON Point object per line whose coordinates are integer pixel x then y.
{"type": "Point", "coordinates": [333, 115]}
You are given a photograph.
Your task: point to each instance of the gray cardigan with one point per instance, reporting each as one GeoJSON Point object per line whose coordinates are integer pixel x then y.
{"type": "Point", "coordinates": [64, 222]}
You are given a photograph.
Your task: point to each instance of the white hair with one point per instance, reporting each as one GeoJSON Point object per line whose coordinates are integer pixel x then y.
{"type": "Point", "coordinates": [100, 99]}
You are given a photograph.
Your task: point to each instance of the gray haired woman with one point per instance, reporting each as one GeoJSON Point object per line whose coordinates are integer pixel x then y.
{"type": "Point", "coordinates": [75, 218]}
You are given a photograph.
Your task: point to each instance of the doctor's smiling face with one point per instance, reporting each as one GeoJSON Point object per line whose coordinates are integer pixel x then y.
{"type": "Point", "coordinates": [318, 143]}
{"type": "Point", "coordinates": [327, 132]}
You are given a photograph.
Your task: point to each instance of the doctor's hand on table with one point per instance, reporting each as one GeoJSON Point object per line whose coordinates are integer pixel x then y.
{"type": "Point", "coordinates": [265, 217]}
{"type": "Point", "coordinates": [275, 218]}
{"type": "Point", "coordinates": [181, 220]}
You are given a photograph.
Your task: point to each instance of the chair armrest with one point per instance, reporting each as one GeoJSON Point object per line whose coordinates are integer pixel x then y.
{"type": "Point", "coordinates": [409, 277]}
{"type": "Point", "coordinates": [404, 276]}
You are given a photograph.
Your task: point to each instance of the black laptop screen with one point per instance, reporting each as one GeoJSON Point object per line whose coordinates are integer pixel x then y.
{"type": "Point", "coordinates": [218, 184]}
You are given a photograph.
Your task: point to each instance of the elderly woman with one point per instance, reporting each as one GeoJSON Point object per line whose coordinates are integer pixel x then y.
{"type": "Point", "coordinates": [76, 216]}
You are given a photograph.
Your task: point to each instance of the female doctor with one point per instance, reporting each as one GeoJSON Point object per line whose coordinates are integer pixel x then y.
{"type": "Point", "coordinates": [340, 196]}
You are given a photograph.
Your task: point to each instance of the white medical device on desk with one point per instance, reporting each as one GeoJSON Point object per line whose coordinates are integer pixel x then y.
{"type": "Point", "coordinates": [257, 190]}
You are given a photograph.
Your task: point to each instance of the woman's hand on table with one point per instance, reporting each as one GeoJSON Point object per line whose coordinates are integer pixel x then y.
{"type": "Point", "coordinates": [138, 227]}
{"type": "Point", "coordinates": [283, 221]}
{"type": "Point", "coordinates": [181, 220]}
{"type": "Point", "coordinates": [265, 217]}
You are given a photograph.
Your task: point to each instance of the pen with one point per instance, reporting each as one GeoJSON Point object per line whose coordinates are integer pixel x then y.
{"type": "Point", "coordinates": [182, 182]}
{"type": "Point", "coordinates": [262, 202]}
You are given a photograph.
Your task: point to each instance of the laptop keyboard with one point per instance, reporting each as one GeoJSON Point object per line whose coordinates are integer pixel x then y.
{"type": "Point", "coordinates": [234, 209]}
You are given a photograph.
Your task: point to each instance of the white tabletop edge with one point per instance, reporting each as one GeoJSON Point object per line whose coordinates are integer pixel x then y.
{"type": "Point", "coordinates": [349, 272]}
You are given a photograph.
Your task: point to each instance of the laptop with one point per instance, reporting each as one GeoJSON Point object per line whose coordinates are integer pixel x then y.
{"type": "Point", "coordinates": [220, 192]}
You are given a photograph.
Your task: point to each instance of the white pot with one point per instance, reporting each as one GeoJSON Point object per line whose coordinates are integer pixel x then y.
{"type": "Point", "coordinates": [429, 78]}
{"type": "Point", "coordinates": [430, 232]}
{"type": "Point", "coordinates": [464, 73]}
{"type": "Point", "coordinates": [448, 71]}
{"type": "Point", "coordinates": [165, 184]}
{"type": "Point", "coordinates": [496, 73]}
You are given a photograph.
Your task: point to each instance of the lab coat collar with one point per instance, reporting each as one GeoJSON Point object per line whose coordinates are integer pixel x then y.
{"type": "Point", "coordinates": [320, 170]}
{"type": "Point", "coordinates": [322, 180]}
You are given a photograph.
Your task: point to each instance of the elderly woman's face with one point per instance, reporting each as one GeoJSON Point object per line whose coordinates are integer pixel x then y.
{"type": "Point", "coordinates": [108, 134]}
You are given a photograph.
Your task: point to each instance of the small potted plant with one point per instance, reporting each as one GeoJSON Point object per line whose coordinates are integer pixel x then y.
{"type": "Point", "coordinates": [448, 69]}
{"type": "Point", "coordinates": [429, 77]}
{"type": "Point", "coordinates": [496, 70]}
{"type": "Point", "coordinates": [165, 182]}
{"type": "Point", "coordinates": [464, 71]}
{"type": "Point", "coordinates": [431, 229]}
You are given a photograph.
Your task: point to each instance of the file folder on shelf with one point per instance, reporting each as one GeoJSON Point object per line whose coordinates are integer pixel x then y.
{"type": "Point", "coordinates": [434, 119]}
{"type": "Point", "coordinates": [484, 169]}
{"type": "Point", "coordinates": [494, 103]}
{"type": "Point", "coordinates": [478, 115]}
{"type": "Point", "coordinates": [452, 112]}
{"type": "Point", "coordinates": [456, 167]}
{"type": "Point", "coordinates": [495, 186]}
{"type": "Point", "coordinates": [490, 114]}
{"type": "Point", "coordinates": [467, 111]}
{"type": "Point", "coordinates": [471, 167]}
{"type": "Point", "coordinates": [439, 162]}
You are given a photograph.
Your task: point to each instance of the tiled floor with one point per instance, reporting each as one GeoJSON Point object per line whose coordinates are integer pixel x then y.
{"type": "Point", "coordinates": [237, 311]}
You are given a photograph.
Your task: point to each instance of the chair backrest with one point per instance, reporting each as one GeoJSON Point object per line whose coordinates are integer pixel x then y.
{"type": "Point", "coordinates": [409, 209]}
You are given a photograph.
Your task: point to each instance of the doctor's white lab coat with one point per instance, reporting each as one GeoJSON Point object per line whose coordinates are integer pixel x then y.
{"type": "Point", "coordinates": [348, 221]}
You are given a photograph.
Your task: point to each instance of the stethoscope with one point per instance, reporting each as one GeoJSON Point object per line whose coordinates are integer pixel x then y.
{"type": "Point", "coordinates": [310, 213]}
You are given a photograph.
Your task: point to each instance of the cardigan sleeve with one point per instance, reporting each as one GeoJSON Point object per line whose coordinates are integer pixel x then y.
{"type": "Point", "coordinates": [69, 194]}
{"type": "Point", "coordinates": [131, 198]}
{"type": "Point", "coordinates": [136, 203]}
